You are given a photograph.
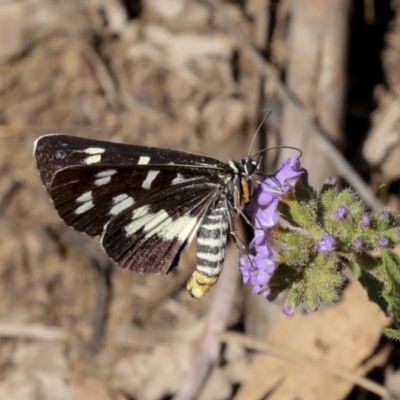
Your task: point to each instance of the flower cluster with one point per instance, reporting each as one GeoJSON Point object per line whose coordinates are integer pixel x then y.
{"type": "Point", "coordinates": [257, 269]}
{"type": "Point", "coordinates": [301, 238]}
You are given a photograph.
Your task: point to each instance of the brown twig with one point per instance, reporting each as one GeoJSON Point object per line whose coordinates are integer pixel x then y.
{"type": "Point", "coordinates": [32, 332]}
{"type": "Point", "coordinates": [342, 165]}
{"type": "Point", "coordinates": [216, 321]}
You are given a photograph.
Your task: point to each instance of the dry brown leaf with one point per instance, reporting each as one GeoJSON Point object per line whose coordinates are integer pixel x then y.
{"type": "Point", "coordinates": [344, 336]}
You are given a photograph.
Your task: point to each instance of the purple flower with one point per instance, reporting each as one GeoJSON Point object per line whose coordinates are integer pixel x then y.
{"type": "Point", "coordinates": [358, 244]}
{"type": "Point", "coordinates": [366, 220]}
{"type": "Point", "coordinates": [268, 190]}
{"type": "Point", "coordinates": [289, 173]}
{"type": "Point", "coordinates": [258, 268]}
{"type": "Point", "coordinates": [384, 241]}
{"type": "Point", "coordinates": [327, 244]}
{"type": "Point", "coordinates": [246, 268]}
{"type": "Point", "coordinates": [342, 213]}
{"type": "Point", "coordinates": [331, 180]}
{"type": "Point", "coordinates": [288, 309]}
{"type": "Point", "coordinates": [278, 185]}
{"type": "Point", "coordinates": [259, 239]}
{"type": "Point", "coordinates": [384, 215]}
{"type": "Point", "coordinates": [268, 217]}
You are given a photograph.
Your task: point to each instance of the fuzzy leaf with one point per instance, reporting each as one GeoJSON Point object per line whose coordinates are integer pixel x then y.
{"type": "Point", "coordinates": [319, 281]}
{"type": "Point", "coordinates": [372, 286]}
{"type": "Point", "coordinates": [391, 333]}
{"type": "Point", "coordinates": [391, 268]}
{"type": "Point", "coordinates": [322, 281]}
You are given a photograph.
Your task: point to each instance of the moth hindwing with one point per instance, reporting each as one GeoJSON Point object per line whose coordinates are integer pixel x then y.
{"type": "Point", "coordinates": [146, 204]}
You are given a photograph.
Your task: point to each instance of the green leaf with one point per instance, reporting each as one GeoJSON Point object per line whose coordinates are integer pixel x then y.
{"type": "Point", "coordinates": [372, 286]}
{"type": "Point", "coordinates": [391, 333]}
{"type": "Point", "coordinates": [391, 269]}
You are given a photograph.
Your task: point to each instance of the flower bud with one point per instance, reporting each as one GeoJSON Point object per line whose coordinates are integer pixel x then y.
{"type": "Point", "coordinates": [288, 309]}
{"type": "Point", "coordinates": [342, 213]}
{"type": "Point", "coordinates": [358, 244]}
{"type": "Point", "coordinates": [366, 220]}
{"type": "Point", "coordinates": [327, 244]}
{"type": "Point", "coordinates": [384, 241]}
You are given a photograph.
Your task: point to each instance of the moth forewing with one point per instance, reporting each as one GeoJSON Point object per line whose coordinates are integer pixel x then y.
{"type": "Point", "coordinates": [146, 203]}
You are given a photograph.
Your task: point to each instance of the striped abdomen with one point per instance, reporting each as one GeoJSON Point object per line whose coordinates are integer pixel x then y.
{"type": "Point", "coordinates": [211, 241]}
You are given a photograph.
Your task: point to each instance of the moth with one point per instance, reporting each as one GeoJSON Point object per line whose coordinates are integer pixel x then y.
{"type": "Point", "coordinates": [147, 204]}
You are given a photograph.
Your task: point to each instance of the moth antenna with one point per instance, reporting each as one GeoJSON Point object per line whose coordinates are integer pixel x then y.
{"type": "Point", "coordinates": [257, 131]}
{"type": "Point", "coordinates": [275, 148]}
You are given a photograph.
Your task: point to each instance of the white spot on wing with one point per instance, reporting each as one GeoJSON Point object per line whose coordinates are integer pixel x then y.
{"type": "Point", "coordinates": [151, 175]}
{"type": "Point", "coordinates": [119, 198]}
{"type": "Point", "coordinates": [122, 205]}
{"type": "Point", "coordinates": [85, 197]}
{"type": "Point", "coordinates": [60, 154]}
{"type": "Point", "coordinates": [188, 224]}
{"type": "Point", "coordinates": [93, 159]}
{"type": "Point", "coordinates": [84, 207]}
{"type": "Point", "coordinates": [161, 224]}
{"type": "Point", "coordinates": [102, 181]}
{"type": "Point", "coordinates": [94, 150]}
{"type": "Point", "coordinates": [158, 220]}
{"type": "Point", "coordinates": [140, 217]}
{"type": "Point", "coordinates": [108, 172]}
{"type": "Point", "coordinates": [143, 160]}
{"type": "Point", "coordinates": [180, 179]}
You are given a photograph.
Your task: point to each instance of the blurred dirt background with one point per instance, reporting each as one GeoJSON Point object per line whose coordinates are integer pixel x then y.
{"type": "Point", "coordinates": [195, 75]}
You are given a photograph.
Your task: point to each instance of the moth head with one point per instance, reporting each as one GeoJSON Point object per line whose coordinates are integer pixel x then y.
{"type": "Point", "coordinates": [250, 166]}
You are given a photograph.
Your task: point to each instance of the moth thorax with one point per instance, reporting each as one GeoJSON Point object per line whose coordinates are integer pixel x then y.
{"type": "Point", "coordinates": [211, 241]}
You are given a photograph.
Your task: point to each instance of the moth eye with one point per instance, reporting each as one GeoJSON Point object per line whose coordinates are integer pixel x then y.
{"type": "Point", "coordinates": [250, 166]}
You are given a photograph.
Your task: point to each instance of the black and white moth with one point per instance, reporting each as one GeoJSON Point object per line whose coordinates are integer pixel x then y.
{"type": "Point", "coordinates": [147, 204]}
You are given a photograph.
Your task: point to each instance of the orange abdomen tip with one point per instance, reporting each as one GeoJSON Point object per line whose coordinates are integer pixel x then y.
{"type": "Point", "coordinates": [198, 284]}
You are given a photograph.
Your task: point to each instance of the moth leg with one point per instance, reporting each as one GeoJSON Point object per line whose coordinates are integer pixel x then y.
{"type": "Point", "coordinates": [248, 222]}
{"type": "Point", "coordinates": [235, 236]}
